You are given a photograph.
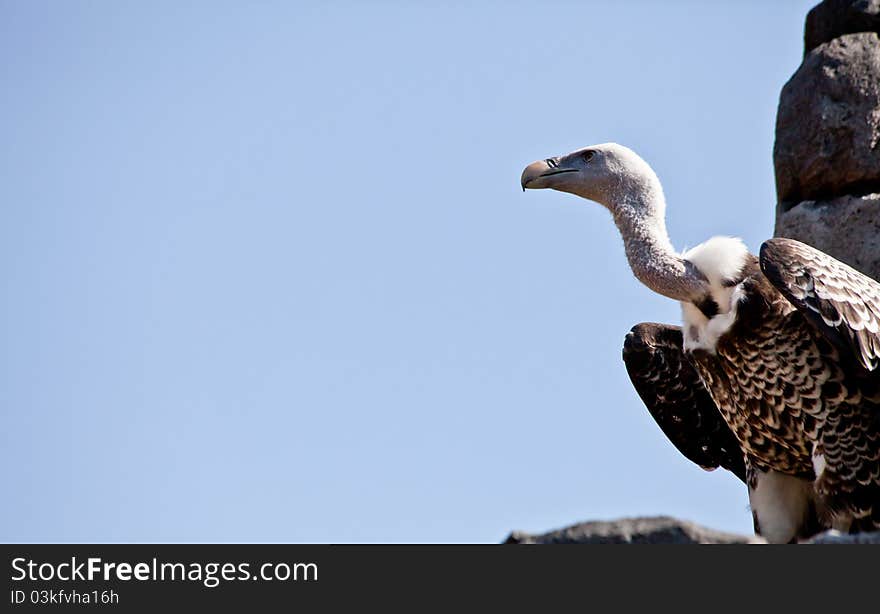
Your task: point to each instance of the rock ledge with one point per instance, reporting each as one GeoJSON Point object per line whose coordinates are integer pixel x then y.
{"type": "Point", "coordinates": [646, 530]}
{"type": "Point", "coordinates": [664, 530]}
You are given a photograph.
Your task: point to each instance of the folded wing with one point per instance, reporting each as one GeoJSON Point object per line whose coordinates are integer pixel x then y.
{"type": "Point", "coordinates": [842, 303]}
{"type": "Point", "coordinates": [677, 399]}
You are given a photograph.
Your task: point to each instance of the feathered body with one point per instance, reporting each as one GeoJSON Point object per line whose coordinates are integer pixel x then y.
{"type": "Point", "coordinates": [779, 355]}
{"type": "Point", "coordinates": [795, 402]}
{"type": "Point", "coordinates": [738, 341]}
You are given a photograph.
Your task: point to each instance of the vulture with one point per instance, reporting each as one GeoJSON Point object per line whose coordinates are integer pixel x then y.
{"type": "Point", "coordinates": [775, 371]}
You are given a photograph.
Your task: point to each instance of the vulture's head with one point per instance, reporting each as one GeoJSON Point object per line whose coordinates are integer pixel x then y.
{"type": "Point", "coordinates": [609, 174]}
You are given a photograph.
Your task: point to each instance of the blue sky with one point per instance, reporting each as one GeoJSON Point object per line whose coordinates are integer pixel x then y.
{"type": "Point", "coordinates": [268, 274]}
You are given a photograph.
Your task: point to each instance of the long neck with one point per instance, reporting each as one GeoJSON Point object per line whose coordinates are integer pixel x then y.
{"type": "Point", "coordinates": [639, 216]}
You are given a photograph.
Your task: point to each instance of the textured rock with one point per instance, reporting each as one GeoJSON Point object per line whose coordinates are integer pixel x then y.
{"type": "Point", "coordinates": [848, 228]}
{"type": "Point", "coordinates": [833, 18]}
{"type": "Point", "coordinates": [665, 530]}
{"type": "Point", "coordinates": [833, 537]}
{"type": "Point", "coordinates": [828, 124]}
{"type": "Point", "coordinates": [649, 530]}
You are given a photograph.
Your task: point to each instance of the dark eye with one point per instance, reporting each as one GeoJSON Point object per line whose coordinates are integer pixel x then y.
{"type": "Point", "coordinates": [588, 155]}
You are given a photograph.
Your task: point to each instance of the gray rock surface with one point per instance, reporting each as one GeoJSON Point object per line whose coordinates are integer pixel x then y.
{"type": "Point", "coordinates": [847, 228]}
{"type": "Point", "coordinates": [833, 537]}
{"type": "Point", "coordinates": [647, 530]}
{"type": "Point", "coordinates": [833, 18]}
{"type": "Point", "coordinates": [664, 530]}
{"type": "Point", "coordinates": [828, 123]}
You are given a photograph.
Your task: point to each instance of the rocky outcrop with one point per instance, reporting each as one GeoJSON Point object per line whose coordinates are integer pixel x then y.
{"type": "Point", "coordinates": [828, 123]}
{"type": "Point", "coordinates": [847, 227]}
{"type": "Point", "coordinates": [827, 149]}
{"type": "Point", "coordinates": [648, 530]}
{"type": "Point", "coordinates": [833, 18]}
{"type": "Point", "coordinates": [664, 530]}
{"type": "Point", "coordinates": [835, 537]}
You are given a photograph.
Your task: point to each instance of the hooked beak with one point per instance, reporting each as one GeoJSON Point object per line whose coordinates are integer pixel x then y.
{"type": "Point", "coordinates": [538, 175]}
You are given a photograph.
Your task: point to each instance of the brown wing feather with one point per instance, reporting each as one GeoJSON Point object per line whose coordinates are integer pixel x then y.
{"type": "Point", "coordinates": [843, 304]}
{"type": "Point", "coordinates": [675, 396]}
